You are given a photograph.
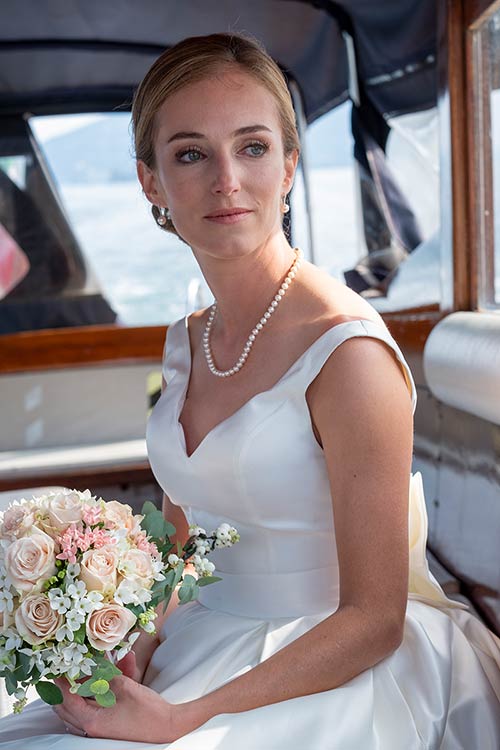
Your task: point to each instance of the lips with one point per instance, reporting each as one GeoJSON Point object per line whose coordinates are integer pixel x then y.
{"type": "Point", "coordinates": [227, 212]}
{"type": "Point", "coordinates": [228, 215]}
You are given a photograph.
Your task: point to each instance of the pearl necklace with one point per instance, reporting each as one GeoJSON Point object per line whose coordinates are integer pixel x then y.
{"type": "Point", "coordinates": [255, 331]}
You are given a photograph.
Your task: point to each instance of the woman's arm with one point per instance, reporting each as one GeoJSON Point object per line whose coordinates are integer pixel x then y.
{"type": "Point", "coordinates": [362, 412]}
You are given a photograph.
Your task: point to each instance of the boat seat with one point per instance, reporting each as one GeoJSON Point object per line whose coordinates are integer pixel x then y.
{"type": "Point", "coordinates": [75, 425]}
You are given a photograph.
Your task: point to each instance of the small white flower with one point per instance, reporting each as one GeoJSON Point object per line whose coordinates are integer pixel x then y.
{"type": "Point", "coordinates": [76, 590]}
{"type": "Point", "coordinates": [173, 560]}
{"type": "Point", "coordinates": [64, 633]}
{"type": "Point", "coordinates": [13, 640]}
{"type": "Point", "coordinates": [59, 601]}
{"type": "Point", "coordinates": [72, 570]}
{"type": "Point", "coordinates": [75, 619]}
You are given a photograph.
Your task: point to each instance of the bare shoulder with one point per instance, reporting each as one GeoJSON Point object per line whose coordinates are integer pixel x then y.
{"type": "Point", "coordinates": [331, 300]}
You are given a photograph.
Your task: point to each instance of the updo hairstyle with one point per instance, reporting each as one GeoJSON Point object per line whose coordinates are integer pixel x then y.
{"type": "Point", "coordinates": [192, 60]}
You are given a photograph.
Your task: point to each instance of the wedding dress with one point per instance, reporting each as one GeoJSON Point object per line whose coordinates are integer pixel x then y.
{"type": "Point", "coordinates": [262, 471]}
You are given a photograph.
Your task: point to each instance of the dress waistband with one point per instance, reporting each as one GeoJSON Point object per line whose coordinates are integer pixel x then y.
{"type": "Point", "coordinates": [273, 595]}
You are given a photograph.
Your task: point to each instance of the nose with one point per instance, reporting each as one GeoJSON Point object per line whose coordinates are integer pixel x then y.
{"type": "Point", "coordinates": [226, 179]}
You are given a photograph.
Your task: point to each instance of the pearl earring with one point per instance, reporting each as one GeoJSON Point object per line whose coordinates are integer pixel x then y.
{"type": "Point", "coordinates": [285, 207]}
{"type": "Point", "coordinates": [164, 216]}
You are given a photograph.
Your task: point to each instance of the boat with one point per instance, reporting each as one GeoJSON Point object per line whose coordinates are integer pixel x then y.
{"type": "Point", "coordinates": [418, 85]}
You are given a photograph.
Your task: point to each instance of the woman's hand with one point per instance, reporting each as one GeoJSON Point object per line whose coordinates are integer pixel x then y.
{"type": "Point", "coordinates": [140, 714]}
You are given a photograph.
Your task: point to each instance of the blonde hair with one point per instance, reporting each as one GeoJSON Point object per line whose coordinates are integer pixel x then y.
{"type": "Point", "coordinates": [195, 59]}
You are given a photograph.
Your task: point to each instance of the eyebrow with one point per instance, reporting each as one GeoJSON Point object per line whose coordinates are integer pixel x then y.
{"type": "Point", "coordinates": [183, 135]}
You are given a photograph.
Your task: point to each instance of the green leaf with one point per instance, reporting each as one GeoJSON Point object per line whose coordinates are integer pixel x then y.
{"type": "Point", "coordinates": [10, 683]}
{"type": "Point", "coordinates": [80, 634]}
{"type": "Point", "coordinates": [188, 590]}
{"type": "Point", "coordinates": [148, 507]}
{"type": "Point", "coordinates": [100, 687]}
{"type": "Point", "coordinates": [49, 693]}
{"type": "Point", "coordinates": [85, 689]}
{"type": "Point", "coordinates": [169, 528]}
{"type": "Point", "coordinates": [207, 580]}
{"type": "Point", "coordinates": [106, 699]}
{"type": "Point", "coordinates": [106, 670]}
{"type": "Point", "coordinates": [155, 525]}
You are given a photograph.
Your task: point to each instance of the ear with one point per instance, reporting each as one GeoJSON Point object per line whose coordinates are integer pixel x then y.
{"type": "Point", "coordinates": [291, 162]}
{"type": "Point", "coordinates": [149, 182]}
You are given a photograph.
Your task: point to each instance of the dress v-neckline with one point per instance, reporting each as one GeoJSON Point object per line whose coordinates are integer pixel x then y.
{"type": "Point", "coordinates": [189, 363]}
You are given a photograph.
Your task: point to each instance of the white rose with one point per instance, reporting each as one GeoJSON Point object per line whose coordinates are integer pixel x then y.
{"type": "Point", "coordinates": [30, 560]}
{"type": "Point", "coordinates": [98, 568]}
{"type": "Point", "coordinates": [17, 521]}
{"type": "Point", "coordinates": [64, 508]}
{"type": "Point", "coordinates": [118, 516]}
{"type": "Point", "coordinates": [136, 564]}
{"type": "Point", "coordinates": [36, 621]}
{"type": "Point", "coordinates": [107, 626]}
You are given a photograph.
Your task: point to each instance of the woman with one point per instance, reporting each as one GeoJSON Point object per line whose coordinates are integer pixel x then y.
{"type": "Point", "coordinates": [286, 410]}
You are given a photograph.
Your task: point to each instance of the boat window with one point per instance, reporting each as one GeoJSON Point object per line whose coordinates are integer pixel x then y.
{"type": "Point", "coordinates": [486, 91]}
{"type": "Point", "coordinates": [413, 268]}
{"type": "Point", "coordinates": [144, 273]}
{"type": "Point", "coordinates": [329, 169]}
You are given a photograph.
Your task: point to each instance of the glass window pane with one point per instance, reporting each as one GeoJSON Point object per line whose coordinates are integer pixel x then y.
{"type": "Point", "coordinates": [147, 275]}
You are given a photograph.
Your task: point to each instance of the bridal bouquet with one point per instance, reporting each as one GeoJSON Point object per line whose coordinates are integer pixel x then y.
{"type": "Point", "coordinates": [79, 578]}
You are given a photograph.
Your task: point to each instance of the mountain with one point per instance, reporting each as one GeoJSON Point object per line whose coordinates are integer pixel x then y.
{"type": "Point", "coordinates": [102, 151]}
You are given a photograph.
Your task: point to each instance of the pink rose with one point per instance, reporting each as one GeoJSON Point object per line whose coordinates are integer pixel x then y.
{"type": "Point", "coordinates": [107, 626]}
{"type": "Point", "coordinates": [98, 568]}
{"type": "Point", "coordinates": [30, 560]}
{"type": "Point", "coordinates": [17, 521]}
{"type": "Point", "coordinates": [36, 621]}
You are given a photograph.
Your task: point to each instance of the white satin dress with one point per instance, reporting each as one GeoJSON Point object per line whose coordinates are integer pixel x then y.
{"type": "Point", "coordinates": [262, 470]}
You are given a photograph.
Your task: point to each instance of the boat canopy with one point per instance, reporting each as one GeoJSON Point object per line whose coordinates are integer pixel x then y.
{"type": "Point", "coordinates": [88, 55]}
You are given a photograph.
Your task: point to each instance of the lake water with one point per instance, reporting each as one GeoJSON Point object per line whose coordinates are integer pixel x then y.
{"type": "Point", "coordinates": [145, 272]}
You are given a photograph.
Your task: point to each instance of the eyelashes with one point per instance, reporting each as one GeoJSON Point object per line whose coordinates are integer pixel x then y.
{"type": "Point", "coordinates": [194, 154]}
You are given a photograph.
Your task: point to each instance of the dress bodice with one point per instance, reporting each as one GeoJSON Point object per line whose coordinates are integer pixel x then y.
{"type": "Point", "coordinates": [263, 471]}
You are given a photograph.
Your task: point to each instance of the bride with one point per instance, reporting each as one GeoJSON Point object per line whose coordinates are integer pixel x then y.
{"type": "Point", "coordinates": [287, 411]}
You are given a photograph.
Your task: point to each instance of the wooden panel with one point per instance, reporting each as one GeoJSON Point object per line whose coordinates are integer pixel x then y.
{"type": "Point", "coordinates": [139, 473]}
{"type": "Point", "coordinates": [460, 164]}
{"type": "Point", "coordinates": [80, 347]}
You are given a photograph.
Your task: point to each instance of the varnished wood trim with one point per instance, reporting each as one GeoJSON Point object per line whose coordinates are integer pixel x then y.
{"type": "Point", "coordinates": [79, 347]}
{"type": "Point", "coordinates": [138, 473]}
{"type": "Point", "coordinates": [460, 163]}
{"type": "Point", "coordinates": [411, 331]}
{"type": "Point", "coordinates": [480, 162]}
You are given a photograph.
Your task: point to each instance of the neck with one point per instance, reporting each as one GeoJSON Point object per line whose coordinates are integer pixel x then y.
{"type": "Point", "coordinates": [243, 287]}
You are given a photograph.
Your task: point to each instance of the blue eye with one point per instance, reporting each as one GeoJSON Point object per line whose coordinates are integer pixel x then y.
{"type": "Point", "coordinates": [189, 156]}
{"type": "Point", "coordinates": [257, 149]}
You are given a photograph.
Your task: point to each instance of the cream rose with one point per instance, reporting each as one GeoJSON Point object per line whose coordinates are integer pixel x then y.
{"type": "Point", "coordinates": [30, 560]}
{"type": "Point", "coordinates": [107, 626]}
{"type": "Point", "coordinates": [136, 564]}
{"type": "Point", "coordinates": [36, 621]}
{"type": "Point", "coordinates": [64, 509]}
{"type": "Point", "coordinates": [118, 515]}
{"type": "Point", "coordinates": [17, 521]}
{"type": "Point", "coordinates": [98, 568]}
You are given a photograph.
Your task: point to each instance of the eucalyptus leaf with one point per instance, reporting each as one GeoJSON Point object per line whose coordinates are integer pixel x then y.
{"type": "Point", "coordinates": [188, 590]}
{"type": "Point", "coordinates": [148, 507]}
{"type": "Point", "coordinates": [85, 689]}
{"type": "Point", "coordinates": [10, 683]}
{"type": "Point", "coordinates": [100, 687]}
{"type": "Point", "coordinates": [207, 580]}
{"type": "Point", "coordinates": [49, 693]}
{"type": "Point", "coordinates": [106, 699]}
